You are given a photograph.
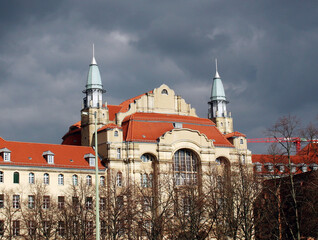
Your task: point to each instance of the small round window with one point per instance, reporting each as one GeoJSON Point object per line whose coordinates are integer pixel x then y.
{"type": "Point", "coordinates": [164, 91]}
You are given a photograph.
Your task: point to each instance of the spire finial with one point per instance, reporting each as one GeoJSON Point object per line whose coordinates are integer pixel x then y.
{"type": "Point", "coordinates": [216, 69]}
{"type": "Point", "coordinates": [93, 60]}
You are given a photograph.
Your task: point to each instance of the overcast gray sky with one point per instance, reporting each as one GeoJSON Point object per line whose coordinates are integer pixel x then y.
{"type": "Point", "coordinates": [267, 53]}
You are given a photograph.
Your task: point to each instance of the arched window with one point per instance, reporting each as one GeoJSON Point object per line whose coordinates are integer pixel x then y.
{"type": "Point", "coordinates": [74, 180]}
{"type": "Point", "coordinates": [146, 158]}
{"type": "Point", "coordinates": [1, 177]}
{"type": "Point", "coordinates": [164, 91]}
{"type": "Point", "coordinates": [46, 178]}
{"type": "Point", "coordinates": [16, 177]}
{"type": "Point", "coordinates": [60, 179]}
{"type": "Point", "coordinates": [31, 178]}
{"type": "Point", "coordinates": [89, 180]}
{"type": "Point", "coordinates": [102, 181]}
{"type": "Point", "coordinates": [116, 133]}
{"type": "Point", "coordinates": [118, 153]}
{"type": "Point", "coordinates": [119, 179]}
{"type": "Point", "coordinates": [185, 167]}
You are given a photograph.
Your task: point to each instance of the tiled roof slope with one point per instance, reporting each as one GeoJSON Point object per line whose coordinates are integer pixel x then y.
{"type": "Point", "coordinates": [148, 127]}
{"type": "Point", "coordinates": [31, 154]}
{"type": "Point", "coordinates": [235, 134]}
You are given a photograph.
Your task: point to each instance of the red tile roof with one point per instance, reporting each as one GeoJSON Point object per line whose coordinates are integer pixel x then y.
{"type": "Point", "coordinates": [148, 127]}
{"type": "Point", "coordinates": [235, 134]}
{"type": "Point", "coordinates": [109, 126]}
{"type": "Point", "coordinates": [112, 110]}
{"type": "Point", "coordinates": [31, 154]}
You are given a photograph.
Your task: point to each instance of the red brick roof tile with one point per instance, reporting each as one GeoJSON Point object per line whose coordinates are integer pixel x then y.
{"type": "Point", "coordinates": [148, 127]}
{"type": "Point", "coordinates": [30, 154]}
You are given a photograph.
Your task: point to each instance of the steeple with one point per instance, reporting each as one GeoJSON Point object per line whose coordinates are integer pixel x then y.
{"type": "Point", "coordinates": [217, 104]}
{"type": "Point", "coordinates": [94, 87]}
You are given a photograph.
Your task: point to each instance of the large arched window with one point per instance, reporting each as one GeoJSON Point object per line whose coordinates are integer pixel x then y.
{"type": "Point", "coordinates": [147, 158]}
{"type": "Point", "coordinates": [185, 167]}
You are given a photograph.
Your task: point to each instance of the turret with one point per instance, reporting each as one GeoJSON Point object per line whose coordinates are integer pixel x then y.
{"type": "Point", "coordinates": [217, 105]}
{"type": "Point", "coordinates": [94, 88]}
{"type": "Point", "coordinates": [92, 103]}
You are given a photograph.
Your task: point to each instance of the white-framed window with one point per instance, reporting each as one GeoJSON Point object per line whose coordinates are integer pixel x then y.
{"type": "Point", "coordinates": [89, 180]}
{"type": "Point", "coordinates": [74, 180]}
{"type": "Point", "coordinates": [304, 168]}
{"type": "Point", "coordinates": [118, 153]}
{"type": "Point", "coordinates": [60, 202]}
{"type": "Point", "coordinates": [1, 177]}
{"type": "Point", "coordinates": [7, 156]}
{"type": "Point", "coordinates": [243, 159]}
{"type": "Point", "coordinates": [31, 178]}
{"type": "Point", "coordinates": [89, 202]}
{"type": "Point", "coordinates": [177, 125]}
{"type": "Point", "coordinates": [31, 200]}
{"type": "Point", "coordinates": [92, 161]}
{"type": "Point", "coordinates": [16, 201]}
{"type": "Point", "coordinates": [144, 180]}
{"type": "Point", "coordinates": [119, 179]}
{"type": "Point", "coordinates": [46, 179]}
{"type": "Point", "coordinates": [50, 159]}
{"type": "Point", "coordinates": [281, 168]}
{"type": "Point", "coordinates": [102, 181]}
{"type": "Point", "coordinates": [116, 133]}
{"type": "Point", "coordinates": [241, 141]}
{"type": "Point", "coordinates": [60, 179]}
{"type": "Point", "coordinates": [292, 168]}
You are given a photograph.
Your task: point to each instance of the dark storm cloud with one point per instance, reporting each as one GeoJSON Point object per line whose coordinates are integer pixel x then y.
{"type": "Point", "coordinates": [266, 49]}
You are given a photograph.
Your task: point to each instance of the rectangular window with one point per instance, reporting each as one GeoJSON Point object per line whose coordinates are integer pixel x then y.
{"type": "Point", "coordinates": [90, 228]}
{"type": "Point", "coordinates": [120, 201]}
{"type": "Point", "coordinates": [31, 228]}
{"type": "Point", "coordinates": [1, 200]}
{"type": "Point", "coordinates": [92, 162]}
{"type": "Point", "coordinates": [16, 177]}
{"type": "Point", "coordinates": [75, 201]}
{"type": "Point", "coordinates": [60, 202]}
{"type": "Point", "coordinates": [1, 177]}
{"type": "Point", "coordinates": [61, 228]}
{"type": "Point", "coordinates": [50, 159]}
{"type": "Point", "coordinates": [16, 201]}
{"type": "Point", "coordinates": [7, 156]}
{"type": "Point", "coordinates": [1, 227]}
{"type": "Point", "coordinates": [46, 227]}
{"type": "Point", "coordinates": [31, 199]}
{"type": "Point", "coordinates": [89, 202]}
{"type": "Point", "coordinates": [102, 203]}
{"type": "Point", "coordinates": [16, 228]}
{"type": "Point", "coordinates": [46, 202]}
{"type": "Point", "coordinates": [118, 153]}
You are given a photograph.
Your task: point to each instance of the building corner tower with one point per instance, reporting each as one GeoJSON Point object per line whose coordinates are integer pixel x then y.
{"type": "Point", "coordinates": [92, 102]}
{"type": "Point", "coordinates": [217, 105]}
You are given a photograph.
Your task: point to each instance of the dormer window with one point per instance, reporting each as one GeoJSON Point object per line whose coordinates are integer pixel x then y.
{"type": "Point", "coordinates": [241, 141]}
{"type": "Point", "coordinates": [49, 156]}
{"type": "Point", "coordinates": [281, 168]}
{"type": "Point", "coordinates": [270, 167]}
{"type": "Point", "coordinates": [314, 166]}
{"type": "Point", "coordinates": [90, 158]}
{"type": "Point", "coordinates": [292, 168]}
{"type": "Point", "coordinates": [258, 167]}
{"type": "Point", "coordinates": [6, 154]}
{"type": "Point", "coordinates": [304, 168]}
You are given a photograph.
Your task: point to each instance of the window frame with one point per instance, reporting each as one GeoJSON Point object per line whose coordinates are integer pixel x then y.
{"type": "Point", "coordinates": [46, 179]}
{"type": "Point", "coordinates": [60, 179]}
{"type": "Point", "coordinates": [89, 180]}
{"type": "Point", "coordinates": [31, 178]}
{"type": "Point", "coordinates": [16, 178]}
{"type": "Point", "coordinates": [16, 201]}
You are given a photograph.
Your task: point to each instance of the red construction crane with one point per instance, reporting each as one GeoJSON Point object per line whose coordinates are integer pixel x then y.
{"type": "Point", "coordinates": [296, 140]}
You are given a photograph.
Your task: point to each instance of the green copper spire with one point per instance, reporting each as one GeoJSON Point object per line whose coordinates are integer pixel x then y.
{"type": "Point", "coordinates": [93, 79]}
{"type": "Point", "coordinates": [217, 92]}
